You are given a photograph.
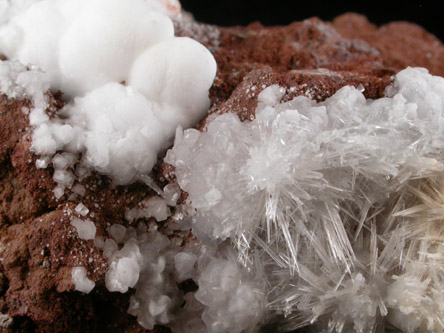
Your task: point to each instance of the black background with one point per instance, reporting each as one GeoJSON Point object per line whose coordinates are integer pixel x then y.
{"type": "Point", "coordinates": [282, 12]}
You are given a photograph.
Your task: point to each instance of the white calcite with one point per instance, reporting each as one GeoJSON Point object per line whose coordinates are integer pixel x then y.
{"type": "Point", "coordinates": [86, 229]}
{"type": "Point", "coordinates": [79, 189]}
{"type": "Point", "coordinates": [172, 194]}
{"type": "Point", "coordinates": [130, 81]}
{"type": "Point", "coordinates": [141, 264]}
{"type": "Point", "coordinates": [81, 209]}
{"type": "Point", "coordinates": [19, 81]}
{"type": "Point", "coordinates": [117, 128]}
{"type": "Point", "coordinates": [233, 302]}
{"type": "Point", "coordinates": [153, 207]}
{"type": "Point", "coordinates": [123, 274]}
{"type": "Point", "coordinates": [157, 208]}
{"type": "Point", "coordinates": [117, 232]}
{"type": "Point", "coordinates": [125, 267]}
{"type": "Point", "coordinates": [184, 265]}
{"type": "Point", "coordinates": [154, 266]}
{"type": "Point", "coordinates": [80, 35]}
{"type": "Point", "coordinates": [183, 72]}
{"type": "Point", "coordinates": [81, 281]}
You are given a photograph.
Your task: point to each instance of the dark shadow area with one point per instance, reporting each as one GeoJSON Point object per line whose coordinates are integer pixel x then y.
{"type": "Point", "coordinates": [283, 12]}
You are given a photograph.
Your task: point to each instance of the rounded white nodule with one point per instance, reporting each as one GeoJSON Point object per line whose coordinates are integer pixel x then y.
{"type": "Point", "coordinates": [91, 49]}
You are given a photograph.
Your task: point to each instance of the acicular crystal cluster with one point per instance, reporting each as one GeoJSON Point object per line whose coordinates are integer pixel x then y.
{"type": "Point", "coordinates": [335, 204]}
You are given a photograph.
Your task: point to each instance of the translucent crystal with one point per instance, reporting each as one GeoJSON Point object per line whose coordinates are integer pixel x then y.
{"type": "Point", "coordinates": [81, 209]}
{"type": "Point", "coordinates": [330, 203]}
{"type": "Point", "coordinates": [86, 229]}
{"type": "Point", "coordinates": [81, 281]}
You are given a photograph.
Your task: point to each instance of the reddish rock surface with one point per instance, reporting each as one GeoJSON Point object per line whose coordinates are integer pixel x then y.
{"type": "Point", "coordinates": [400, 44]}
{"type": "Point", "coordinates": [39, 247]}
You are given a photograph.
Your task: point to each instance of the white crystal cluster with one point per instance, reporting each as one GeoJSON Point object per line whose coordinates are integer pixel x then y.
{"type": "Point", "coordinates": [153, 265]}
{"type": "Point", "coordinates": [19, 82]}
{"type": "Point", "coordinates": [140, 263]}
{"type": "Point", "coordinates": [132, 82]}
{"type": "Point", "coordinates": [72, 40]}
{"type": "Point", "coordinates": [153, 207]}
{"type": "Point", "coordinates": [336, 205]}
{"type": "Point", "coordinates": [232, 302]}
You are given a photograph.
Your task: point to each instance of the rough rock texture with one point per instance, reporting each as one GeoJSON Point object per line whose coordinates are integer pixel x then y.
{"type": "Point", "coordinates": [400, 44]}
{"type": "Point", "coordinates": [39, 247]}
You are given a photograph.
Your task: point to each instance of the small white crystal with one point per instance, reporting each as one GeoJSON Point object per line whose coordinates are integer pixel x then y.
{"type": "Point", "coordinates": [122, 274]}
{"type": "Point", "coordinates": [271, 95]}
{"type": "Point", "coordinates": [184, 265]}
{"type": "Point", "coordinates": [99, 242]}
{"type": "Point", "coordinates": [58, 192]}
{"type": "Point", "coordinates": [42, 163]}
{"type": "Point", "coordinates": [225, 290]}
{"type": "Point", "coordinates": [133, 214]}
{"type": "Point", "coordinates": [156, 307]}
{"type": "Point", "coordinates": [81, 209]}
{"type": "Point", "coordinates": [81, 281]}
{"type": "Point", "coordinates": [85, 228]}
{"type": "Point", "coordinates": [109, 248]}
{"type": "Point", "coordinates": [157, 208]}
{"type": "Point", "coordinates": [63, 177]}
{"type": "Point", "coordinates": [117, 231]}
{"type": "Point", "coordinates": [5, 321]}
{"type": "Point", "coordinates": [128, 271]}
{"type": "Point", "coordinates": [172, 194]}
{"type": "Point", "coordinates": [63, 161]}
{"type": "Point", "coordinates": [79, 189]}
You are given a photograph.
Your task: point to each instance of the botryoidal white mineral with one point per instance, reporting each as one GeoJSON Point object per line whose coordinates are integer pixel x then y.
{"type": "Point", "coordinates": [130, 82]}
{"type": "Point", "coordinates": [337, 207]}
